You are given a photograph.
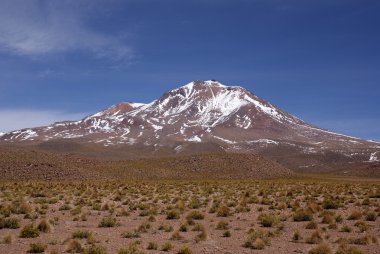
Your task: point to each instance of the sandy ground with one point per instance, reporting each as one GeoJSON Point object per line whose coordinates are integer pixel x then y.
{"type": "Point", "coordinates": [160, 197]}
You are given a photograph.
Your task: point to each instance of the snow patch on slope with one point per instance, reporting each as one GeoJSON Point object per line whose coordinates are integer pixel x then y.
{"type": "Point", "coordinates": [136, 104]}
{"type": "Point", "coordinates": [28, 134]}
{"type": "Point", "coordinates": [157, 127]}
{"type": "Point", "coordinates": [225, 140]}
{"type": "Point", "coordinates": [194, 139]}
{"type": "Point", "coordinates": [243, 122]}
{"type": "Point", "coordinates": [373, 157]}
{"type": "Point", "coordinates": [263, 141]}
{"type": "Point", "coordinates": [100, 124]}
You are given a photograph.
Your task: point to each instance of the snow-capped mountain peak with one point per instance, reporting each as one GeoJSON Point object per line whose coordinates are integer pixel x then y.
{"type": "Point", "coordinates": [200, 112]}
{"type": "Point", "coordinates": [208, 98]}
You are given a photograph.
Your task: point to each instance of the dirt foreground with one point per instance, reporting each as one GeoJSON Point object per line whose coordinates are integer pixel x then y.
{"type": "Point", "coordinates": [266, 216]}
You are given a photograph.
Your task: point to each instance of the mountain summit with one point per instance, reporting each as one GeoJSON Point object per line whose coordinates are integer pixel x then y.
{"type": "Point", "coordinates": [203, 112]}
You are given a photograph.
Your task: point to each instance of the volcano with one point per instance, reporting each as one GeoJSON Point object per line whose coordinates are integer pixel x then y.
{"type": "Point", "coordinates": [206, 116]}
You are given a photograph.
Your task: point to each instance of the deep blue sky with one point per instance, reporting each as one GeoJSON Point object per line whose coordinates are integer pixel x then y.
{"type": "Point", "coordinates": [317, 59]}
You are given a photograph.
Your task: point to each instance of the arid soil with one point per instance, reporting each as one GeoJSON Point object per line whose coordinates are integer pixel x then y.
{"type": "Point", "coordinates": [301, 215]}
{"type": "Point", "coordinates": [26, 164]}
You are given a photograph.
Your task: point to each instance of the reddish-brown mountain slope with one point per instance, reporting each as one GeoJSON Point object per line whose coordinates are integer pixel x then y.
{"type": "Point", "coordinates": [205, 116]}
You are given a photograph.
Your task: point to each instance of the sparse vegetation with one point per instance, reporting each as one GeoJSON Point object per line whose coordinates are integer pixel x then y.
{"type": "Point", "coordinates": [7, 239]}
{"type": "Point", "coordinates": [185, 250]}
{"type": "Point", "coordinates": [152, 246]}
{"type": "Point", "coordinates": [29, 231]}
{"type": "Point", "coordinates": [302, 215]}
{"type": "Point", "coordinates": [322, 248]}
{"type": "Point", "coordinates": [268, 220]}
{"type": "Point", "coordinates": [11, 223]}
{"type": "Point", "coordinates": [37, 248]}
{"type": "Point", "coordinates": [332, 217]}
{"type": "Point", "coordinates": [172, 215]}
{"type": "Point", "coordinates": [167, 247]}
{"type": "Point", "coordinates": [314, 238]}
{"type": "Point", "coordinates": [297, 236]}
{"type": "Point", "coordinates": [257, 239]}
{"type": "Point", "coordinates": [74, 247]}
{"type": "Point", "coordinates": [44, 226]}
{"type": "Point", "coordinates": [81, 234]}
{"type": "Point", "coordinates": [355, 215]}
{"type": "Point", "coordinates": [195, 215]}
{"type": "Point", "coordinates": [107, 222]}
{"type": "Point", "coordinates": [95, 249]}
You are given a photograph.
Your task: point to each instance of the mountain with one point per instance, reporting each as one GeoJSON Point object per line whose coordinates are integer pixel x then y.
{"type": "Point", "coordinates": [203, 116]}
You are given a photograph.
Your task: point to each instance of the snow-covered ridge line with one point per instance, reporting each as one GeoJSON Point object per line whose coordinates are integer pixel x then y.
{"type": "Point", "coordinates": [136, 104]}
{"type": "Point", "coordinates": [133, 105]}
{"type": "Point", "coordinates": [342, 135]}
{"type": "Point", "coordinates": [205, 83]}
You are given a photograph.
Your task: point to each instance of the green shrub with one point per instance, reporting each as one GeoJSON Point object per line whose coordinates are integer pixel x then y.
{"type": "Point", "coordinates": [131, 235]}
{"type": "Point", "coordinates": [371, 216]}
{"type": "Point", "coordinates": [267, 220]}
{"type": "Point", "coordinates": [173, 215]}
{"type": "Point", "coordinates": [167, 247]}
{"type": "Point", "coordinates": [183, 228]}
{"type": "Point", "coordinates": [29, 231]}
{"type": "Point", "coordinates": [81, 234]}
{"type": "Point", "coordinates": [107, 222]}
{"type": "Point", "coordinates": [152, 246]}
{"type": "Point", "coordinates": [361, 225]}
{"type": "Point", "coordinates": [95, 249]}
{"type": "Point", "coordinates": [11, 223]}
{"type": "Point", "coordinates": [37, 248]}
{"type": "Point", "coordinates": [65, 207]}
{"type": "Point", "coordinates": [195, 215]}
{"type": "Point", "coordinates": [194, 203]}
{"type": "Point", "coordinates": [198, 227]}
{"type": "Point", "coordinates": [346, 228]}
{"type": "Point", "coordinates": [257, 239]}
{"type": "Point", "coordinates": [131, 249]}
{"type": "Point", "coordinates": [185, 250]}
{"type": "Point", "coordinates": [330, 204]}
{"type": "Point", "coordinates": [322, 248]}
{"type": "Point", "coordinates": [302, 215]}
{"type": "Point", "coordinates": [227, 234]}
